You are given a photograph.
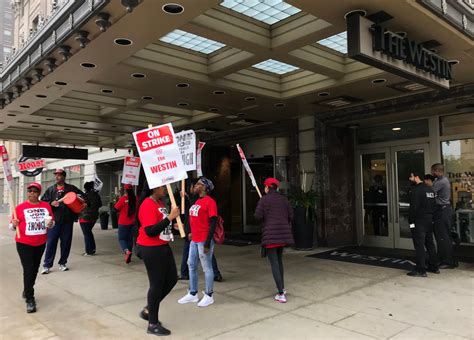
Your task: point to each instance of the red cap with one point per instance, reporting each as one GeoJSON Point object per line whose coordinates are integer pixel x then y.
{"type": "Point", "coordinates": [34, 185]}
{"type": "Point", "coordinates": [269, 181]}
{"type": "Point", "coordinates": [128, 186]}
{"type": "Point", "coordinates": [59, 171]}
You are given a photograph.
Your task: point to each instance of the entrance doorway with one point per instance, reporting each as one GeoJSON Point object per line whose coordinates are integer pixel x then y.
{"type": "Point", "coordinates": [384, 199]}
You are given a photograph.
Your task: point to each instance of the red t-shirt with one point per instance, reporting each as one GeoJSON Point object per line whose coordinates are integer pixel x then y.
{"type": "Point", "coordinates": [32, 227]}
{"type": "Point", "coordinates": [199, 215]}
{"type": "Point", "coordinates": [151, 213]}
{"type": "Point", "coordinates": [122, 207]}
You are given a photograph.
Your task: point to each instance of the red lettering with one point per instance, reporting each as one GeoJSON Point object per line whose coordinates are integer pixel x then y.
{"type": "Point", "coordinates": [163, 167]}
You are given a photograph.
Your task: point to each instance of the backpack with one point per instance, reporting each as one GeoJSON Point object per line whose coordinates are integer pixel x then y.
{"type": "Point", "coordinates": [219, 232]}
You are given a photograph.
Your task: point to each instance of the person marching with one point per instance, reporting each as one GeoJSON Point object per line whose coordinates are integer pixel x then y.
{"type": "Point", "coordinates": [202, 220]}
{"type": "Point", "coordinates": [154, 234]}
{"type": "Point", "coordinates": [34, 219]}
{"type": "Point", "coordinates": [277, 215]}
{"type": "Point", "coordinates": [89, 216]}
{"type": "Point", "coordinates": [64, 218]}
{"type": "Point", "coordinates": [126, 207]}
{"type": "Point", "coordinates": [420, 219]}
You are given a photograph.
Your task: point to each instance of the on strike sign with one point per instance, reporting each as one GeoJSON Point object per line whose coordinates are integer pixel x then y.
{"type": "Point", "coordinates": [160, 156]}
{"type": "Point", "coordinates": [131, 170]}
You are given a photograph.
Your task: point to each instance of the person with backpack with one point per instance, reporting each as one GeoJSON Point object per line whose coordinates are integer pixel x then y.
{"type": "Point", "coordinates": [202, 220]}
{"type": "Point", "coordinates": [277, 214]}
{"type": "Point", "coordinates": [126, 207]}
{"type": "Point", "coordinates": [89, 216]}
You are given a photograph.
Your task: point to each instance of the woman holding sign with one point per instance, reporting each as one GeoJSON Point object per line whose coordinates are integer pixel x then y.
{"type": "Point", "coordinates": [34, 218]}
{"type": "Point", "coordinates": [202, 219]}
{"type": "Point", "coordinates": [154, 233]}
{"type": "Point", "coordinates": [126, 207]}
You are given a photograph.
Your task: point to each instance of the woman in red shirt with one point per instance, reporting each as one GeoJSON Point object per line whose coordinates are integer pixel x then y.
{"type": "Point", "coordinates": [34, 218]}
{"type": "Point", "coordinates": [154, 233]}
{"type": "Point", "coordinates": [126, 207]}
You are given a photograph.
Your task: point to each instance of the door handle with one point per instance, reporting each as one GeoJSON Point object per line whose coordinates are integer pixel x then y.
{"type": "Point", "coordinates": [387, 191]}
{"type": "Point", "coordinates": [396, 212]}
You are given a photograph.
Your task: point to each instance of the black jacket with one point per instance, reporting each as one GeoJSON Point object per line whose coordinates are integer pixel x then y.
{"type": "Point", "coordinates": [62, 214]}
{"type": "Point", "coordinates": [91, 211]}
{"type": "Point", "coordinates": [422, 204]}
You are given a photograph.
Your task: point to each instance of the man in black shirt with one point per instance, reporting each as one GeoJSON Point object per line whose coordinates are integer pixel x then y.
{"type": "Point", "coordinates": [420, 218]}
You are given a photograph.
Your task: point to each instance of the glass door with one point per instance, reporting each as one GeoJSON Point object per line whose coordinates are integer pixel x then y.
{"type": "Point", "coordinates": [385, 193]}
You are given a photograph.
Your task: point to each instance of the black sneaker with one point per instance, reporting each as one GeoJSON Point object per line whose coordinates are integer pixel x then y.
{"type": "Point", "coordinates": [434, 270]}
{"type": "Point", "coordinates": [218, 278]}
{"type": "Point", "coordinates": [415, 273]}
{"type": "Point", "coordinates": [448, 266]}
{"type": "Point", "coordinates": [144, 314]}
{"type": "Point", "coordinates": [158, 329]}
{"type": "Point", "coordinates": [31, 306]}
{"type": "Point", "coordinates": [183, 277]}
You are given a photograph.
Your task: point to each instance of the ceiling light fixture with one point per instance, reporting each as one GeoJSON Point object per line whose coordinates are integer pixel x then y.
{"type": "Point", "coordinates": [147, 98]}
{"type": "Point", "coordinates": [40, 96]}
{"type": "Point", "coordinates": [183, 104]}
{"type": "Point", "coordinates": [396, 129]}
{"type": "Point", "coordinates": [218, 92]}
{"type": "Point", "coordinates": [60, 83]}
{"type": "Point", "coordinates": [213, 109]}
{"type": "Point", "coordinates": [25, 106]}
{"type": "Point", "coordinates": [34, 125]}
{"type": "Point", "coordinates": [107, 91]}
{"type": "Point", "coordinates": [279, 105]}
{"type": "Point", "coordinates": [172, 8]}
{"type": "Point", "coordinates": [138, 75]}
{"type": "Point", "coordinates": [182, 85]}
{"type": "Point", "coordinates": [88, 65]}
{"type": "Point", "coordinates": [323, 94]}
{"type": "Point", "coordinates": [67, 129]}
{"type": "Point", "coordinates": [379, 81]}
{"type": "Point", "coordinates": [249, 99]}
{"type": "Point", "coordinates": [83, 123]}
{"type": "Point", "coordinates": [123, 42]}
{"type": "Point", "coordinates": [50, 119]}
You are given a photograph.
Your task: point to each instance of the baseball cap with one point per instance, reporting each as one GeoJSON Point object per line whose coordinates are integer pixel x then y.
{"type": "Point", "coordinates": [127, 186]}
{"type": "Point", "coordinates": [60, 171]}
{"type": "Point", "coordinates": [269, 181]}
{"type": "Point", "coordinates": [34, 185]}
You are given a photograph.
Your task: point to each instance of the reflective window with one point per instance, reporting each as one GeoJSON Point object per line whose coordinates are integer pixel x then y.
{"type": "Point", "coordinates": [268, 11]}
{"type": "Point", "coordinates": [336, 42]}
{"type": "Point", "coordinates": [457, 124]}
{"type": "Point", "coordinates": [192, 42]}
{"type": "Point", "coordinates": [275, 66]}
{"type": "Point", "coordinates": [396, 131]}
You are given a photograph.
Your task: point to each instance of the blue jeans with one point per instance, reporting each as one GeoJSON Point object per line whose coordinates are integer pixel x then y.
{"type": "Point", "coordinates": [88, 236]}
{"type": "Point", "coordinates": [184, 260]}
{"type": "Point", "coordinates": [125, 236]}
{"type": "Point", "coordinates": [196, 252]}
{"type": "Point", "coordinates": [61, 232]}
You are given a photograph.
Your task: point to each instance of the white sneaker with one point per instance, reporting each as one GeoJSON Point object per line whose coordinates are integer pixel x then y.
{"type": "Point", "coordinates": [188, 298]}
{"type": "Point", "coordinates": [280, 298]}
{"type": "Point", "coordinates": [63, 268]}
{"type": "Point", "coordinates": [206, 300]}
{"type": "Point", "coordinates": [45, 270]}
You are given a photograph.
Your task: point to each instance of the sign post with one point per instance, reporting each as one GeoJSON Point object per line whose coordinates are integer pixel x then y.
{"type": "Point", "coordinates": [7, 171]}
{"type": "Point", "coordinates": [161, 160]}
{"type": "Point", "coordinates": [249, 171]}
{"type": "Point", "coordinates": [131, 170]}
{"type": "Point", "coordinates": [187, 146]}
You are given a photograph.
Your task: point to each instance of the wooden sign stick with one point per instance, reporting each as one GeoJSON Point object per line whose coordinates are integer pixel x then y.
{"type": "Point", "coordinates": [258, 191]}
{"type": "Point", "coordinates": [15, 217]}
{"type": "Point", "coordinates": [183, 192]}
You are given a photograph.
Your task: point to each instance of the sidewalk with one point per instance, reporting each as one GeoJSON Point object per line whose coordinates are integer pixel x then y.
{"type": "Point", "coordinates": [100, 297]}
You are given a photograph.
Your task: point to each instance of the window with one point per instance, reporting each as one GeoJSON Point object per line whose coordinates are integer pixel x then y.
{"type": "Point", "coordinates": [395, 131]}
{"type": "Point", "coordinates": [457, 124]}
{"type": "Point", "coordinates": [74, 176]}
{"type": "Point", "coordinates": [458, 160]}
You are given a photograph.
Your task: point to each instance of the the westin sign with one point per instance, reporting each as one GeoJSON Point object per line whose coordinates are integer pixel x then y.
{"type": "Point", "coordinates": [372, 44]}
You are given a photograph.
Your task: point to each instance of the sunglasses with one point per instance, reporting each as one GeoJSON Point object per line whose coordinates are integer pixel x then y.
{"type": "Point", "coordinates": [34, 190]}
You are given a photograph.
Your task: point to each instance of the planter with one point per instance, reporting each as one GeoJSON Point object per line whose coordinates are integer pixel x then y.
{"type": "Point", "coordinates": [113, 216]}
{"type": "Point", "coordinates": [104, 221]}
{"type": "Point", "coordinates": [303, 229]}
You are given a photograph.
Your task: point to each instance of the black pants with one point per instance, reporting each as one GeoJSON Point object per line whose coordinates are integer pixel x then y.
{"type": "Point", "coordinates": [30, 257]}
{"type": "Point", "coordinates": [422, 236]}
{"type": "Point", "coordinates": [443, 219]}
{"type": "Point", "coordinates": [275, 257]}
{"type": "Point", "coordinates": [161, 270]}
{"type": "Point", "coordinates": [89, 241]}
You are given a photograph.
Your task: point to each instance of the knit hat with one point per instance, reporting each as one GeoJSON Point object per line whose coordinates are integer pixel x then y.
{"type": "Point", "coordinates": [207, 183]}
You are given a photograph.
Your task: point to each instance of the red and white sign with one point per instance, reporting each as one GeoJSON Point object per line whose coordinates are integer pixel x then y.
{"type": "Point", "coordinates": [75, 168]}
{"type": "Point", "coordinates": [198, 161]}
{"type": "Point", "coordinates": [246, 165]}
{"type": "Point", "coordinates": [34, 164]}
{"type": "Point", "coordinates": [131, 170]}
{"type": "Point", "coordinates": [160, 155]}
{"type": "Point", "coordinates": [7, 170]}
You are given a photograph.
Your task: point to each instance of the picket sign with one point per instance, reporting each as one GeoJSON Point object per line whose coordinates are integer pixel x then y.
{"type": "Point", "coordinates": [7, 171]}
{"type": "Point", "coordinates": [98, 184]}
{"type": "Point", "coordinates": [161, 160]}
{"type": "Point", "coordinates": [249, 171]}
{"type": "Point", "coordinates": [198, 162]}
{"type": "Point", "coordinates": [187, 146]}
{"type": "Point", "coordinates": [131, 170]}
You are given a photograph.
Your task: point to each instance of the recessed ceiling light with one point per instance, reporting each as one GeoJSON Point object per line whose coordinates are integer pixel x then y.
{"type": "Point", "coordinates": [183, 104]}
{"type": "Point", "coordinates": [279, 105]}
{"type": "Point", "coordinates": [249, 99]}
{"type": "Point", "coordinates": [107, 91]}
{"type": "Point", "coordinates": [213, 109]}
{"type": "Point", "coordinates": [123, 42]}
{"type": "Point", "coordinates": [379, 81]}
{"type": "Point", "coordinates": [1, 122]}
{"type": "Point", "coordinates": [138, 75]}
{"type": "Point", "coordinates": [396, 129]}
{"type": "Point", "coordinates": [113, 126]}
{"type": "Point", "coordinates": [95, 132]}
{"type": "Point", "coordinates": [172, 8]}
{"type": "Point", "coordinates": [231, 116]}
{"type": "Point", "coordinates": [182, 85]}
{"type": "Point", "coordinates": [241, 114]}
{"type": "Point", "coordinates": [323, 94]}
{"type": "Point", "coordinates": [25, 106]}
{"type": "Point", "coordinates": [41, 96]}
{"type": "Point", "coordinates": [34, 125]}
{"type": "Point", "coordinates": [49, 119]}
{"type": "Point", "coordinates": [11, 114]}
{"type": "Point", "coordinates": [147, 97]}
{"type": "Point", "coordinates": [218, 92]}
{"type": "Point", "coordinates": [83, 123]}
{"type": "Point", "coordinates": [88, 65]}
{"type": "Point", "coordinates": [61, 83]}
{"type": "Point", "coordinates": [67, 129]}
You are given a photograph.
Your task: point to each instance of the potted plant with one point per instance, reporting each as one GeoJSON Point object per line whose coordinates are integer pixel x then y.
{"type": "Point", "coordinates": [113, 213]}
{"type": "Point", "coordinates": [104, 218]}
{"type": "Point", "coordinates": [304, 205]}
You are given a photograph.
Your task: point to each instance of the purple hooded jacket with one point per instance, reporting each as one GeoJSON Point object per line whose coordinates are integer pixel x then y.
{"type": "Point", "coordinates": [277, 214]}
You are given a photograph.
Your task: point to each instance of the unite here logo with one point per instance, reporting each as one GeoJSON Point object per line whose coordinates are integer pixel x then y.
{"type": "Point", "coordinates": [194, 210]}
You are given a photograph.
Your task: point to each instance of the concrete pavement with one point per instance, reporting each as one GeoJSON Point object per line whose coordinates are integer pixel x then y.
{"type": "Point", "coordinates": [100, 297]}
